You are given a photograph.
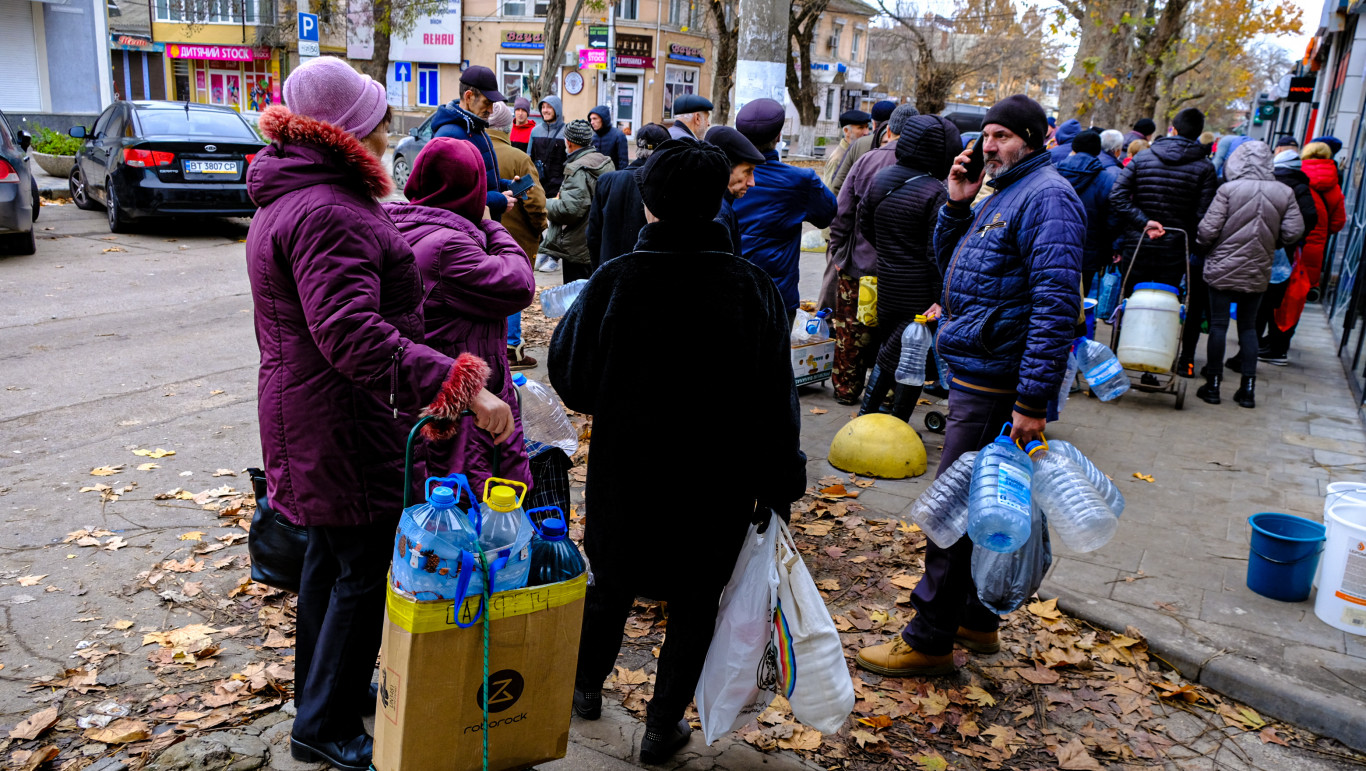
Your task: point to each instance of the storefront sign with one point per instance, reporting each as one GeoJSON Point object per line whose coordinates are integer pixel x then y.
{"type": "Point", "coordinates": [120, 42]}
{"type": "Point", "coordinates": [597, 37]}
{"type": "Point", "coordinates": [682, 53]}
{"type": "Point", "coordinates": [635, 45]}
{"type": "Point", "coordinates": [216, 53]}
{"type": "Point", "coordinates": [1301, 89]}
{"type": "Point", "coordinates": [635, 62]}
{"type": "Point", "coordinates": [592, 59]}
{"type": "Point", "coordinates": [513, 39]}
{"type": "Point", "coordinates": [435, 38]}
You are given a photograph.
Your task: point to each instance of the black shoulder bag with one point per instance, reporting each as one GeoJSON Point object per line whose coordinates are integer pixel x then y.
{"type": "Point", "coordinates": [275, 544]}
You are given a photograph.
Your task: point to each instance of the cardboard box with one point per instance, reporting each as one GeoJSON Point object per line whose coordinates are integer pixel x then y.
{"type": "Point", "coordinates": [813, 362]}
{"type": "Point", "coordinates": [431, 680]}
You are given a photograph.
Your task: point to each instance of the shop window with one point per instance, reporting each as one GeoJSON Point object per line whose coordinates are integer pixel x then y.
{"type": "Point", "coordinates": [519, 8]}
{"type": "Point", "coordinates": [854, 45]}
{"type": "Point", "coordinates": [516, 74]}
{"type": "Point", "coordinates": [830, 104]}
{"type": "Point", "coordinates": [677, 82]}
{"type": "Point", "coordinates": [215, 11]}
{"type": "Point", "coordinates": [180, 74]}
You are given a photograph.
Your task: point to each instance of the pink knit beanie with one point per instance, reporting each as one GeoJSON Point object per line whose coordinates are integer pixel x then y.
{"type": "Point", "coordinates": [329, 90]}
{"type": "Point", "coordinates": [500, 119]}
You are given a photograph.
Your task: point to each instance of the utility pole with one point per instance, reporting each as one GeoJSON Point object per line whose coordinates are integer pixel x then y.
{"type": "Point", "coordinates": [762, 52]}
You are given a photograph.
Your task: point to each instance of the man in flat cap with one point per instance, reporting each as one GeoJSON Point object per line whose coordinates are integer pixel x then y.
{"type": "Point", "coordinates": [618, 211]}
{"type": "Point", "coordinates": [771, 215]}
{"type": "Point", "coordinates": [882, 115]}
{"type": "Point", "coordinates": [853, 127]}
{"type": "Point", "coordinates": [743, 156]}
{"type": "Point", "coordinates": [692, 116]}
{"type": "Point", "coordinates": [606, 361]}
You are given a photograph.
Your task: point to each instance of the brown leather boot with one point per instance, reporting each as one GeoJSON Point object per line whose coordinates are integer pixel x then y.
{"type": "Point", "coordinates": [978, 642]}
{"type": "Point", "coordinates": [898, 659]}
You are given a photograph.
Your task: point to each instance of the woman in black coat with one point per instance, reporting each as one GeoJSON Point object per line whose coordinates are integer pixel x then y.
{"type": "Point", "coordinates": [655, 528]}
{"type": "Point", "coordinates": [898, 217]}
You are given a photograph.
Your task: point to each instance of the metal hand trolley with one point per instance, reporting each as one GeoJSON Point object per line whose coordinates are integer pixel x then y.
{"type": "Point", "coordinates": [1168, 382]}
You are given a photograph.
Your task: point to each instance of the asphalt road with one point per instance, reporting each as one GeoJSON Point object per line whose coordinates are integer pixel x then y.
{"type": "Point", "coordinates": [108, 344]}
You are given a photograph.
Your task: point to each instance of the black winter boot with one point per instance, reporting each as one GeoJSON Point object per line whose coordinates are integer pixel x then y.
{"type": "Point", "coordinates": [1246, 394]}
{"type": "Point", "coordinates": [660, 744]}
{"type": "Point", "coordinates": [1209, 392]}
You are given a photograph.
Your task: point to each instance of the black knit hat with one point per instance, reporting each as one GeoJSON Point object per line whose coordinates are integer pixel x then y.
{"type": "Point", "coordinates": [1145, 126]}
{"type": "Point", "coordinates": [882, 111]}
{"type": "Point", "coordinates": [1189, 123]}
{"type": "Point", "coordinates": [1022, 115]}
{"type": "Point", "coordinates": [651, 136]}
{"type": "Point", "coordinates": [1086, 143]}
{"type": "Point", "coordinates": [684, 180]}
{"type": "Point", "coordinates": [734, 144]}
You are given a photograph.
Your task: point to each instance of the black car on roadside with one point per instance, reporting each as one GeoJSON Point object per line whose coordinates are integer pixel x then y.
{"type": "Point", "coordinates": [164, 159]}
{"type": "Point", "coordinates": [18, 192]}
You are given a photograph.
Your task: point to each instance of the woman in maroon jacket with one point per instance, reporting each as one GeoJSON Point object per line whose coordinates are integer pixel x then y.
{"type": "Point", "coordinates": [476, 276]}
{"type": "Point", "coordinates": [344, 374]}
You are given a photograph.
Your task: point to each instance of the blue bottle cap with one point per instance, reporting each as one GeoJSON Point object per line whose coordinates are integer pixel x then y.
{"type": "Point", "coordinates": [553, 529]}
{"type": "Point", "coordinates": [1032, 446]}
{"type": "Point", "coordinates": [1154, 285]}
{"type": "Point", "coordinates": [442, 498]}
{"type": "Point", "coordinates": [518, 379]}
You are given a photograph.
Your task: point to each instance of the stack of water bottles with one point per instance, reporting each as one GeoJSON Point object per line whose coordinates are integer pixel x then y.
{"type": "Point", "coordinates": [437, 546]}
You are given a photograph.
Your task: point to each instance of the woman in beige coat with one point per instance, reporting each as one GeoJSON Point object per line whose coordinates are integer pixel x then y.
{"type": "Point", "coordinates": [1252, 215]}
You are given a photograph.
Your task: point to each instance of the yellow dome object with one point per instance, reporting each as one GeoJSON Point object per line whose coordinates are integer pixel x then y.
{"type": "Point", "coordinates": [880, 446]}
{"type": "Point", "coordinates": [504, 498]}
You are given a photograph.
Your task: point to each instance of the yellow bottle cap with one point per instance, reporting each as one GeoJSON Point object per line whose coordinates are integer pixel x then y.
{"type": "Point", "coordinates": [502, 498]}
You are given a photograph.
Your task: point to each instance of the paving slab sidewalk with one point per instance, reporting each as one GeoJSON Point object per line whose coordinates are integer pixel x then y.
{"type": "Point", "coordinates": [1177, 567]}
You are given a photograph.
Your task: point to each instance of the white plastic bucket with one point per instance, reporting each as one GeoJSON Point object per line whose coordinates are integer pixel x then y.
{"type": "Point", "coordinates": [1341, 600]}
{"type": "Point", "coordinates": [1151, 329]}
{"type": "Point", "coordinates": [1350, 492]}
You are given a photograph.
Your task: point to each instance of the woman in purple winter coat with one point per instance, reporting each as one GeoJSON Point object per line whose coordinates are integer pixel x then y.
{"type": "Point", "coordinates": [475, 276]}
{"type": "Point", "coordinates": [344, 375]}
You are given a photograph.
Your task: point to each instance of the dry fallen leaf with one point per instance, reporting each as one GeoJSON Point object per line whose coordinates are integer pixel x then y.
{"type": "Point", "coordinates": [31, 580]}
{"type": "Point", "coordinates": [148, 466]}
{"type": "Point", "coordinates": [976, 694]}
{"type": "Point", "coordinates": [1039, 675]}
{"type": "Point", "coordinates": [1074, 757]}
{"type": "Point", "coordinates": [121, 624]}
{"type": "Point", "coordinates": [1268, 736]}
{"type": "Point", "coordinates": [34, 725]}
{"type": "Point", "coordinates": [193, 535]}
{"type": "Point", "coordinates": [904, 581]}
{"type": "Point", "coordinates": [121, 731]}
{"type": "Point", "coordinates": [106, 471]}
{"type": "Point", "coordinates": [828, 584]}
{"type": "Point", "coordinates": [1047, 609]}
{"type": "Point", "coordinates": [225, 472]}
{"type": "Point", "coordinates": [157, 453]}
{"type": "Point", "coordinates": [115, 543]}
{"type": "Point", "coordinates": [818, 411]}
{"type": "Point", "coordinates": [39, 757]}
{"type": "Point", "coordinates": [1144, 477]}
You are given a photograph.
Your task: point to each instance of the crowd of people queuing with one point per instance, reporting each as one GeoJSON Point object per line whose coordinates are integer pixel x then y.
{"type": "Point", "coordinates": [370, 315]}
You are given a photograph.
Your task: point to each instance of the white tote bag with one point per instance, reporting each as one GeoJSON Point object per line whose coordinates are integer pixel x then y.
{"type": "Point", "coordinates": [812, 672]}
{"type": "Point", "coordinates": [737, 680]}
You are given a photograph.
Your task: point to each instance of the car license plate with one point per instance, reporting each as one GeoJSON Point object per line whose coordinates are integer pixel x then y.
{"type": "Point", "coordinates": [211, 167]}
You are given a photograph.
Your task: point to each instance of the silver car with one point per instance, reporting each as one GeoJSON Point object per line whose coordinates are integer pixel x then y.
{"type": "Point", "coordinates": [407, 150]}
{"type": "Point", "coordinates": [18, 192]}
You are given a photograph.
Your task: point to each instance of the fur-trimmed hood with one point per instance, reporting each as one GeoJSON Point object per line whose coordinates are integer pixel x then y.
{"type": "Point", "coordinates": [304, 152]}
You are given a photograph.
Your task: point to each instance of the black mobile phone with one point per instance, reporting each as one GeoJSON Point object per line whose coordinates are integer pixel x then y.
{"type": "Point", "coordinates": [975, 161]}
{"type": "Point", "coordinates": [521, 186]}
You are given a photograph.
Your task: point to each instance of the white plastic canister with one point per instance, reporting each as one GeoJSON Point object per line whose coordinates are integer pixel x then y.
{"type": "Point", "coordinates": [1151, 333]}
{"type": "Point", "coordinates": [1341, 600]}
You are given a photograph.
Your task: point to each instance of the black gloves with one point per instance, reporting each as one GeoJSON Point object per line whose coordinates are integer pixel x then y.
{"type": "Point", "coordinates": [764, 511]}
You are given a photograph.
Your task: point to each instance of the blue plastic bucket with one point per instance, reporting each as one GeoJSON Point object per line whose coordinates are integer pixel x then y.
{"type": "Point", "coordinates": [1089, 305]}
{"type": "Point", "coordinates": [1284, 555]}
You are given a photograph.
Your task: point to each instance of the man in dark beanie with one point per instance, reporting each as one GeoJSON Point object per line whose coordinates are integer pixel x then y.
{"type": "Point", "coordinates": [567, 237]}
{"type": "Point", "coordinates": [743, 156]}
{"type": "Point", "coordinates": [618, 212]}
{"type": "Point", "coordinates": [1169, 185]}
{"type": "Point", "coordinates": [1143, 129]}
{"type": "Point", "coordinates": [1009, 309]}
{"type": "Point", "coordinates": [784, 197]}
{"type": "Point", "coordinates": [644, 535]}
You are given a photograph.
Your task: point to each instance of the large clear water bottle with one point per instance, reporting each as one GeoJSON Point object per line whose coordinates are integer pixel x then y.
{"type": "Point", "coordinates": [942, 510]}
{"type": "Point", "coordinates": [505, 535]}
{"type": "Point", "coordinates": [1104, 485]}
{"type": "Point", "coordinates": [1102, 370]}
{"type": "Point", "coordinates": [429, 544]}
{"type": "Point", "coordinates": [554, 558]}
{"type": "Point", "coordinates": [915, 347]}
{"type": "Point", "coordinates": [556, 300]}
{"type": "Point", "coordinates": [999, 499]}
{"type": "Point", "coordinates": [1071, 503]}
{"type": "Point", "coordinates": [544, 422]}
{"type": "Point", "coordinates": [818, 326]}
{"type": "Point", "coordinates": [1069, 379]}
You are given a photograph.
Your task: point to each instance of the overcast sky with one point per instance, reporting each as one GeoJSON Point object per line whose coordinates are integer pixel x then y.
{"type": "Point", "coordinates": [1295, 44]}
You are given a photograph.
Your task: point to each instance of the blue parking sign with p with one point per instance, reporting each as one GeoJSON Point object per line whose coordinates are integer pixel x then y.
{"type": "Point", "coordinates": [308, 27]}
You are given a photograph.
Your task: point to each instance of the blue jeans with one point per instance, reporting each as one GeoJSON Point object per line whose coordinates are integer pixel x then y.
{"type": "Point", "coordinates": [515, 330]}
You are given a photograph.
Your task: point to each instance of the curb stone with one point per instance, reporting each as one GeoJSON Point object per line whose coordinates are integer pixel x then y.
{"type": "Point", "coordinates": [1262, 688]}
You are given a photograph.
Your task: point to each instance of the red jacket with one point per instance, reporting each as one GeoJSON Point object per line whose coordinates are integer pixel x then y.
{"type": "Point", "coordinates": [520, 136]}
{"type": "Point", "coordinates": [1332, 212]}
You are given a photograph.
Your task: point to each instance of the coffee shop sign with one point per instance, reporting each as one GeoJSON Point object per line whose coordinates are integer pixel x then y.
{"type": "Point", "coordinates": [684, 53]}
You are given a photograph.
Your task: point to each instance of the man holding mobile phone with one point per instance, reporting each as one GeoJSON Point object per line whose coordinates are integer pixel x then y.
{"type": "Point", "coordinates": [1012, 280]}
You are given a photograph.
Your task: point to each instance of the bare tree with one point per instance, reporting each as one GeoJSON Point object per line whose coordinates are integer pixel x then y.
{"type": "Point", "coordinates": [390, 17]}
{"type": "Point", "coordinates": [801, 82]}
{"type": "Point", "coordinates": [727, 29]}
{"type": "Point", "coordinates": [557, 34]}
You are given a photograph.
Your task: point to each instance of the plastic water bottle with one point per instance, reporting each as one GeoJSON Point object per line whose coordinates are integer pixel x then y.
{"type": "Point", "coordinates": [817, 328]}
{"type": "Point", "coordinates": [915, 346]}
{"type": "Point", "coordinates": [942, 510]}
{"type": "Point", "coordinates": [556, 300]}
{"type": "Point", "coordinates": [505, 536]}
{"type": "Point", "coordinates": [1069, 378]}
{"type": "Point", "coordinates": [1103, 484]}
{"type": "Point", "coordinates": [944, 376]}
{"type": "Point", "coordinates": [1074, 506]}
{"type": "Point", "coordinates": [1102, 371]}
{"type": "Point", "coordinates": [554, 558]}
{"type": "Point", "coordinates": [428, 546]}
{"type": "Point", "coordinates": [999, 499]}
{"type": "Point", "coordinates": [544, 422]}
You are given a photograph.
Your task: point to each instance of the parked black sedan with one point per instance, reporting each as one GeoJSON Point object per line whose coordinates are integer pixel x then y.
{"type": "Point", "coordinates": [158, 159]}
{"type": "Point", "coordinates": [18, 192]}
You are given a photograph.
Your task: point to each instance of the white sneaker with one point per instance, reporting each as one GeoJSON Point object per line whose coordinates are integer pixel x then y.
{"type": "Point", "coordinates": [547, 264]}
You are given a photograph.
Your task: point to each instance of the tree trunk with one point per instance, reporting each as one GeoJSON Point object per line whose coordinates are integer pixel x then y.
{"type": "Point", "coordinates": [806, 139]}
{"type": "Point", "coordinates": [557, 34]}
{"type": "Point", "coordinates": [801, 85]}
{"type": "Point", "coordinates": [377, 66]}
{"type": "Point", "coordinates": [727, 48]}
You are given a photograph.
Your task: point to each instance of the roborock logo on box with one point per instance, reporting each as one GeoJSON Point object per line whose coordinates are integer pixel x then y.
{"type": "Point", "coordinates": [505, 689]}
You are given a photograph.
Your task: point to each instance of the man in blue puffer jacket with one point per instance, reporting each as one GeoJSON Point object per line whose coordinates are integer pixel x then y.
{"type": "Point", "coordinates": [1010, 305]}
{"type": "Point", "coordinates": [1063, 137]}
{"type": "Point", "coordinates": [783, 197]}
{"type": "Point", "coordinates": [467, 119]}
